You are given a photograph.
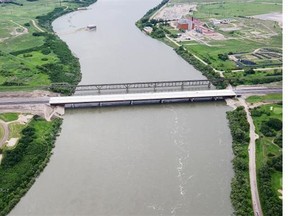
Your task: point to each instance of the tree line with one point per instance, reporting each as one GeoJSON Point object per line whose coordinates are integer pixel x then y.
{"type": "Point", "coordinates": [240, 185]}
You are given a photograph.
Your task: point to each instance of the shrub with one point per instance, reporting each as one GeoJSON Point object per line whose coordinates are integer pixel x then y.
{"type": "Point", "coordinates": [266, 130]}
{"type": "Point", "coordinates": [275, 123]}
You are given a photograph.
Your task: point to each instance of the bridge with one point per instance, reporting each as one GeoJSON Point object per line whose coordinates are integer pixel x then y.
{"type": "Point", "coordinates": [140, 93]}
{"type": "Point", "coordinates": [141, 98]}
{"type": "Point", "coordinates": [135, 86]}
{"type": "Point", "coordinates": [137, 93]}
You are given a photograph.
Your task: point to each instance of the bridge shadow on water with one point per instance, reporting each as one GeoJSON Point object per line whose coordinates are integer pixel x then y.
{"type": "Point", "coordinates": [140, 103]}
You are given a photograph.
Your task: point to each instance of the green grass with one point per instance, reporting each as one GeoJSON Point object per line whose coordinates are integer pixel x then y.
{"type": "Point", "coordinates": [233, 9]}
{"type": "Point", "coordinates": [259, 77]}
{"type": "Point", "coordinates": [22, 55]}
{"type": "Point", "coordinates": [210, 54]}
{"type": "Point", "coordinates": [264, 147]}
{"type": "Point", "coordinates": [219, 1]}
{"type": "Point", "coordinates": [7, 117]}
{"type": "Point", "coordinates": [26, 161]}
{"type": "Point", "coordinates": [15, 130]}
{"type": "Point", "coordinates": [1, 132]}
{"type": "Point", "coordinates": [238, 41]}
{"type": "Point", "coordinates": [23, 70]}
{"type": "Point", "coordinates": [277, 182]}
{"type": "Point", "coordinates": [267, 151]}
{"type": "Point", "coordinates": [265, 98]}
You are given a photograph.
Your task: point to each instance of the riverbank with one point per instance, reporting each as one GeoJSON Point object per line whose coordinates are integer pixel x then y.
{"type": "Point", "coordinates": [37, 51]}
{"type": "Point", "coordinates": [216, 48]}
{"type": "Point", "coordinates": [165, 36]}
{"type": "Point", "coordinates": [240, 186]}
{"type": "Point", "coordinates": [23, 162]}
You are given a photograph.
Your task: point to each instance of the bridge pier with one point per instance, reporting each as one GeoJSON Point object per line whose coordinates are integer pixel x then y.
{"type": "Point", "coordinates": [209, 84]}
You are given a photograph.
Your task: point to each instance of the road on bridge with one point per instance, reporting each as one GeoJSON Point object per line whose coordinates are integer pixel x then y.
{"type": "Point", "coordinates": [45, 100]}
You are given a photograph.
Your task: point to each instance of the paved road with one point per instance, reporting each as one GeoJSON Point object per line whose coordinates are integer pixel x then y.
{"type": "Point", "coordinates": [252, 162]}
{"type": "Point", "coordinates": [24, 100]}
{"type": "Point", "coordinates": [256, 90]}
{"type": "Point", "coordinates": [45, 100]}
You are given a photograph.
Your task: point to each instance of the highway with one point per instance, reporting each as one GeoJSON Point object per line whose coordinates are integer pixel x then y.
{"type": "Point", "coordinates": [23, 100]}
{"type": "Point", "coordinates": [256, 90]}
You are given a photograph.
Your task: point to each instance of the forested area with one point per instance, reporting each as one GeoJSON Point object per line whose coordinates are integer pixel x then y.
{"type": "Point", "coordinates": [240, 186]}
{"type": "Point", "coordinates": [21, 165]}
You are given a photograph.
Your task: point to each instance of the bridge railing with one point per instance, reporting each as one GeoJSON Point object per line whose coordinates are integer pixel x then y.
{"type": "Point", "coordinates": [137, 85]}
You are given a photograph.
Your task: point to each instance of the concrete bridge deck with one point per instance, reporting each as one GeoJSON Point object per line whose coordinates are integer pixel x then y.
{"type": "Point", "coordinates": [151, 96]}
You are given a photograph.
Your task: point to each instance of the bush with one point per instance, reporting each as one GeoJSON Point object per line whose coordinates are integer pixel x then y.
{"type": "Point", "coordinates": [249, 71]}
{"type": "Point", "coordinates": [45, 51]}
{"type": "Point", "coordinates": [223, 57]}
{"type": "Point", "coordinates": [158, 33]}
{"type": "Point", "coordinates": [240, 188]}
{"type": "Point", "coordinates": [22, 165]}
{"type": "Point", "coordinates": [274, 123]}
{"type": "Point", "coordinates": [279, 139]}
{"type": "Point", "coordinates": [271, 204]}
{"type": "Point", "coordinates": [266, 130]}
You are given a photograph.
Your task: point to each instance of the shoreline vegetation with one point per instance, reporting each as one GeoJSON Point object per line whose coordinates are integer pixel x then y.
{"type": "Point", "coordinates": [21, 165]}
{"type": "Point", "coordinates": [240, 186]}
{"type": "Point", "coordinates": [38, 52]}
{"type": "Point", "coordinates": [159, 33]}
{"type": "Point", "coordinates": [269, 173]}
{"type": "Point", "coordinates": [212, 58]}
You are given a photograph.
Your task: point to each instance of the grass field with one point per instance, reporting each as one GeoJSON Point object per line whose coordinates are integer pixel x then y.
{"type": "Point", "coordinates": [235, 9]}
{"type": "Point", "coordinates": [15, 130]}
{"type": "Point", "coordinates": [7, 117]}
{"type": "Point", "coordinates": [265, 98]}
{"type": "Point", "coordinates": [18, 69]}
{"type": "Point", "coordinates": [219, 1]}
{"type": "Point", "coordinates": [266, 149]}
{"type": "Point", "coordinates": [23, 51]}
{"type": "Point", "coordinates": [15, 16]}
{"type": "Point", "coordinates": [1, 132]}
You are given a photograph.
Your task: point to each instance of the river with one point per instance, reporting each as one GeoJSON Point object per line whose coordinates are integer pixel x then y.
{"type": "Point", "coordinates": [170, 159]}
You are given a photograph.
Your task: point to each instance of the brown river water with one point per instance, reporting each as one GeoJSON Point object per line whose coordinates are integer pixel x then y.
{"type": "Point", "coordinates": [169, 159]}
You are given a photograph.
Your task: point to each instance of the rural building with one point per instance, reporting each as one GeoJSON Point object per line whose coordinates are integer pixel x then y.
{"type": "Point", "coordinates": [148, 29]}
{"type": "Point", "coordinates": [184, 24]}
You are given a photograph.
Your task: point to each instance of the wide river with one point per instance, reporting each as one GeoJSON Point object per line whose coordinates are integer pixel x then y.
{"type": "Point", "coordinates": [171, 159]}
